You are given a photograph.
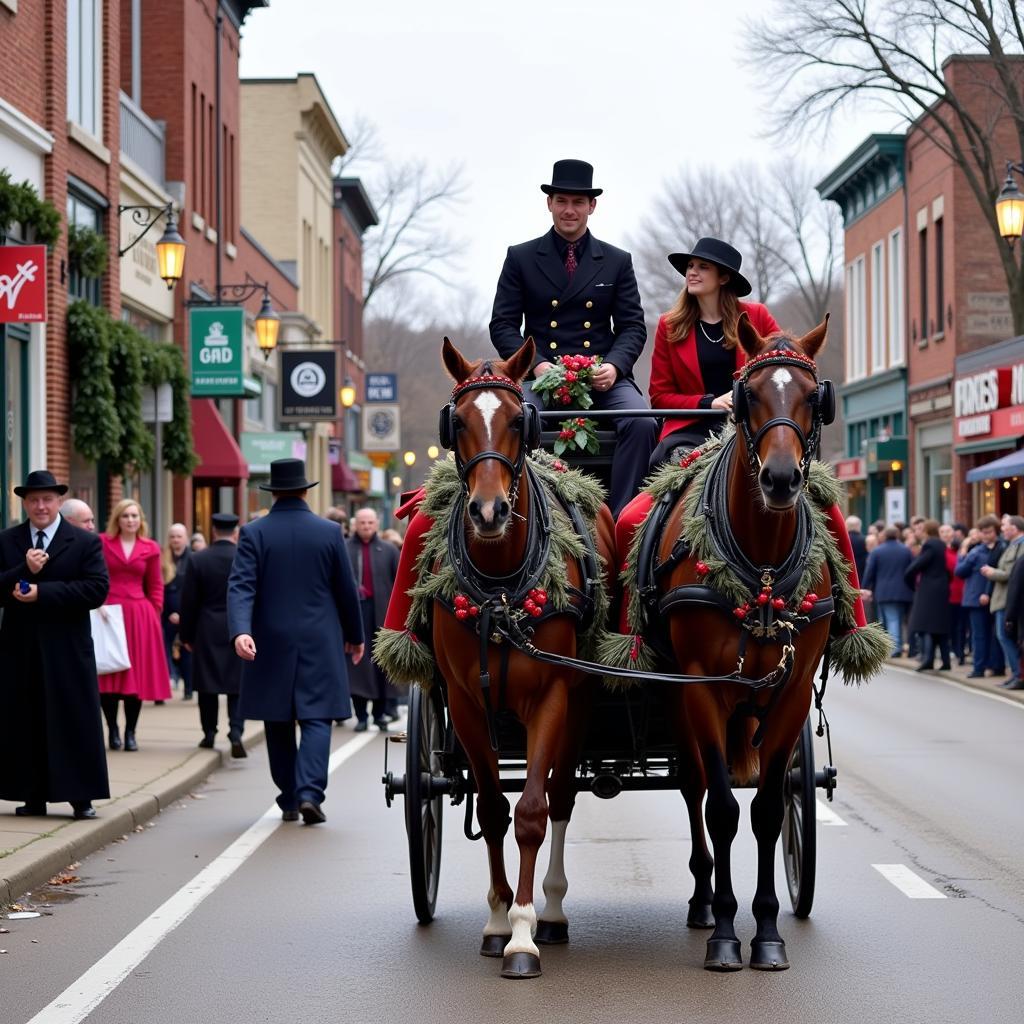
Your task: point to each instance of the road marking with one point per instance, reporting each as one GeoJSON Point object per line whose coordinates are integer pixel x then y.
{"type": "Point", "coordinates": [960, 686]}
{"type": "Point", "coordinates": [825, 814]}
{"type": "Point", "coordinates": [908, 883]}
{"type": "Point", "coordinates": [80, 998]}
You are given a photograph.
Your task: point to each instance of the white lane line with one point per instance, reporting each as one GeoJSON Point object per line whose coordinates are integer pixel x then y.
{"type": "Point", "coordinates": [825, 815]}
{"type": "Point", "coordinates": [911, 885]}
{"type": "Point", "coordinates": [956, 684]}
{"type": "Point", "coordinates": [80, 998]}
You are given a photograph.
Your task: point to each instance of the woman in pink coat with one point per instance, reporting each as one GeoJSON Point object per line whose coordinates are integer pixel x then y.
{"type": "Point", "coordinates": [133, 561]}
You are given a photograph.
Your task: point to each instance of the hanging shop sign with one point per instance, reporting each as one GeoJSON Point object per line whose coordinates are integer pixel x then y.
{"type": "Point", "coordinates": [217, 338]}
{"type": "Point", "coordinates": [22, 284]}
{"type": "Point", "coordinates": [382, 387]}
{"type": "Point", "coordinates": [307, 385]}
{"type": "Point", "coordinates": [382, 428]}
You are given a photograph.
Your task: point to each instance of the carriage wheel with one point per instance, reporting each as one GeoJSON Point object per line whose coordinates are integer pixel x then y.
{"type": "Point", "coordinates": [424, 812]}
{"type": "Point", "coordinates": [799, 823]}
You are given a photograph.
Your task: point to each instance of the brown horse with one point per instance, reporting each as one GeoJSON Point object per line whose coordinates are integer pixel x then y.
{"type": "Point", "coordinates": [488, 426]}
{"type": "Point", "coordinates": [778, 412]}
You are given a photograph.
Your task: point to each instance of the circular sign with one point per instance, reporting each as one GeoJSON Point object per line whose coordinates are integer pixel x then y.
{"type": "Point", "coordinates": [382, 423]}
{"type": "Point", "coordinates": [308, 379]}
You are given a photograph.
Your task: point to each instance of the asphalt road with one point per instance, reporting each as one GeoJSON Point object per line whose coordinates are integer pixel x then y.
{"type": "Point", "coordinates": [317, 924]}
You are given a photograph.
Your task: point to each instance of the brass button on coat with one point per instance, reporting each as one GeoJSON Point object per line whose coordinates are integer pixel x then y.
{"type": "Point", "coordinates": [586, 323]}
{"type": "Point", "coordinates": [590, 305]}
{"type": "Point", "coordinates": [554, 303]}
{"type": "Point", "coordinates": [554, 323]}
{"type": "Point", "coordinates": [586, 344]}
{"type": "Point", "coordinates": [553, 345]}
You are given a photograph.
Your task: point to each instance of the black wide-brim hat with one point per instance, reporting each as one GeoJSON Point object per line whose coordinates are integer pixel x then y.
{"type": "Point", "coordinates": [722, 254]}
{"type": "Point", "coordinates": [572, 177]}
{"type": "Point", "coordinates": [40, 480]}
{"type": "Point", "coordinates": [288, 475]}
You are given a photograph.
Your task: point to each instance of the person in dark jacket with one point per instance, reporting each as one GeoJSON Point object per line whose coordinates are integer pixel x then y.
{"type": "Point", "coordinates": [985, 651]}
{"type": "Point", "coordinates": [884, 579]}
{"type": "Point", "coordinates": [204, 629]}
{"type": "Point", "coordinates": [375, 565]}
{"type": "Point", "coordinates": [1013, 626]}
{"type": "Point", "coordinates": [293, 615]}
{"type": "Point", "coordinates": [579, 296]}
{"type": "Point", "coordinates": [173, 563]}
{"type": "Point", "coordinates": [51, 575]}
{"type": "Point", "coordinates": [859, 545]}
{"type": "Point", "coordinates": [929, 614]}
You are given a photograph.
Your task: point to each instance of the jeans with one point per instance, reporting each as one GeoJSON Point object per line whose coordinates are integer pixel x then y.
{"type": "Point", "coordinates": [985, 652]}
{"type": "Point", "coordinates": [891, 615]}
{"type": "Point", "coordinates": [1009, 646]}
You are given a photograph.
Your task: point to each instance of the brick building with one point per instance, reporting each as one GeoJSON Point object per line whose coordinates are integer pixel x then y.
{"type": "Point", "coordinates": [955, 317]}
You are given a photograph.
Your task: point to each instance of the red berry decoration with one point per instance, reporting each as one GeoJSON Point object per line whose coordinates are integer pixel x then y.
{"type": "Point", "coordinates": [806, 606]}
{"type": "Point", "coordinates": [762, 599]}
{"type": "Point", "coordinates": [461, 613]}
{"type": "Point", "coordinates": [461, 601]}
{"type": "Point", "coordinates": [741, 612]}
{"type": "Point", "coordinates": [474, 611]}
{"type": "Point", "coordinates": [811, 597]}
{"type": "Point", "coordinates": [540, 596]}
{"type": "Point", "coordinates": [778, 604]}
{"type": "Point", "coordinates": [701, 568]}
{"type": "Point", "coordinates": [536, 611]}
{"type": "Point", "coordinates": [529, 605]}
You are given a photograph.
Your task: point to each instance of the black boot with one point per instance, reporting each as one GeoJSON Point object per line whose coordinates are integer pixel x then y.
{"type": "Point", "coordinates": [114, 738]}
{"type": "Point", "coordinates": [129, 740]}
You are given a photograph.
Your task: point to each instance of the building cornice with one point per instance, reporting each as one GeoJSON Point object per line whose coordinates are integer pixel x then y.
{"type": "Point", "coordinates": [31, 135]}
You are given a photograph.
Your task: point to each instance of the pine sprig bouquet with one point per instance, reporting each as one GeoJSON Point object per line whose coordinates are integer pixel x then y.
{"type": "Point", "coordinates": [568, 382]}
{"type": "Point", "coordinates": [577, 434]}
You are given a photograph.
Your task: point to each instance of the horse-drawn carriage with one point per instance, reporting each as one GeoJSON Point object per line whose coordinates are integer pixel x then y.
{"type": "Point", "coordinates": [515, 701]}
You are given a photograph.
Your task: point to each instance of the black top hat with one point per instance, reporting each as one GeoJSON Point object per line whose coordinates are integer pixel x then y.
{"type": "Point", "coordinates": [224, 520]}
{"type": "Point", "coordinates": [575, 177]}
{"type": "Point", "coordinates": [714, 250]}
{"type": "Point", "coordinates": [288, 475]}
{"type": "Point", "coordinates": [40, 480]}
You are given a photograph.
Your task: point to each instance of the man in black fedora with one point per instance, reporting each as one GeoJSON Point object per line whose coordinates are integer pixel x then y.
{"type": "Point", "coordinates": [293, 614]}
{"type": "Point", "coordinates": [51, 575]}
{"type": "Point", "coordinates": [578, 296]}
{"type": "Point", "coordinates": [203, 628]}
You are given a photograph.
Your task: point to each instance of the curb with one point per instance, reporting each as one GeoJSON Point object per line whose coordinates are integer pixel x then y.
{"type": "Point", "coordinates": [39, 861]}
{"type": "Point", "coordinates": [985, 685]}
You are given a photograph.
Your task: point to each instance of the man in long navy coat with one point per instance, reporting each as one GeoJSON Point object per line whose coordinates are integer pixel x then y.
{"type": "Point", "coordinates": [51, 575]}
{"type": "Point", "coordinates": [293, 614]}
{"type": "Point", "coordinates": [578, 296]}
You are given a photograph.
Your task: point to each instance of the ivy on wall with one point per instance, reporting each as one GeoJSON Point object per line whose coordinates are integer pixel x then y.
{"type": "Point", "coordinates": [111, 362]}
{"type": "Point", "coordinates": [20, 204]}
{"type": "Point", "coordinates": [87, 251]}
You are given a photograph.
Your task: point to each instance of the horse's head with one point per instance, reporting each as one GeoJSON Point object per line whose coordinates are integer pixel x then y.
{"type": "Point", "coordinates": [490, 428]}
{"type": "Point", "coordinates": [779, 407]}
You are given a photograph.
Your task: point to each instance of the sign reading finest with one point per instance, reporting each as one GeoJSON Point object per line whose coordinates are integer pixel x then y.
{"type": "Point", "coordinates": [382, 387]}
{"type": "Point", "coordinates": [22, 284]}
{"type": "Point", "coordinates": [217, 337]}
{"type": "Point", "coordinates": [307, 385]}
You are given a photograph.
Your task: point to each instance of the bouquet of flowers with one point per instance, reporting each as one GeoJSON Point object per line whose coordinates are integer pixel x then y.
{"type": "Point", "coordinates": [578, 433]}
{"type": "Point", "coordinates": [568, 382]}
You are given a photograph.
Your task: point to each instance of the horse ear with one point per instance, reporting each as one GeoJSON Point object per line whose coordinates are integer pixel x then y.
{"type": "Point", "coordinates": [522, 362]}
{"type": "Point", "coordinates": [455, 362]}
{"type": "Point", "coordinates": [750, 340]}
{"type": "Point", "coordinates": [814, 340]}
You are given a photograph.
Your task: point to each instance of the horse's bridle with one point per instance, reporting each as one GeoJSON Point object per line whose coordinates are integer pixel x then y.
{"type": "Point", "coordinates": [741, 408]}
{"type": "Point", "coordinates": [488, 382]}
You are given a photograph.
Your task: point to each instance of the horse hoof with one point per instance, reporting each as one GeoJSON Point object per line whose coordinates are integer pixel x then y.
{"type": "Point", "coordinates": [768, 956]}
{"type": "Point", "coordinates": [723, 955]}
{"type": "Point", "coordinates": [700, 916]}
{"type": "Point", "coordinates": [494, 945]}
{"type": "Point", "coordinates": [552, 933]}
{"type": "Point", "coordinates": [521, 965]}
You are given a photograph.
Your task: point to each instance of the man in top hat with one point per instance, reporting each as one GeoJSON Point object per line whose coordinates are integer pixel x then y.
{"type": "Point", "coordinates": [578, 296]}
{"type": "Point", "coordinates": [203, 629]}
{"type": "Point", "coordinates": [293, 614]}
{"type": "Point", "coordinates": [51, 575]}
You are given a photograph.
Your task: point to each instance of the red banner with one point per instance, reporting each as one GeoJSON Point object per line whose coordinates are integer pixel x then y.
{"type": "Point", "coordinates": [22, 284]}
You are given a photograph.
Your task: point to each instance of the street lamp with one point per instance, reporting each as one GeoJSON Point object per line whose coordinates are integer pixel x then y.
{"type": "Point", "coordinates": [170, 250]}
{"type": "Point", "coordinates": [1010, 206]}
{"type": "Point", "coordinates": [396, 481]}
{"type": "Point", "coordinates": [433, 451]}
{"type": "Point", "coordinates": [348, 393]}
{"type": "Point", "coordinates": [268, 324]}
{"type": "Point", "coordinates": [409, 458]}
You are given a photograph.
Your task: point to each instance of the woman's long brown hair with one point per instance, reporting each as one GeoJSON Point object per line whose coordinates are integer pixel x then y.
{"type": "Point", "coordinates": [683, 316]}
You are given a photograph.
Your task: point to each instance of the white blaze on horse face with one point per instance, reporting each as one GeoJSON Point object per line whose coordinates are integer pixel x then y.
{"type": "Point", "coordinates": [780, 378]}
{"type": "Point", "coordinates": [488, 403]}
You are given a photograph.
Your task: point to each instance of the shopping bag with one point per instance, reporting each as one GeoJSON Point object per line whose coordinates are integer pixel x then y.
{"type": "Point", "coordinates": [109, 640]}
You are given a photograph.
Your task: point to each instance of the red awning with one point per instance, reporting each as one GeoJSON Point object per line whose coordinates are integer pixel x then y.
{"type": "Point", "coordinates": [220, 458]}
{"type": "Point", "coordinates": [342, 478]}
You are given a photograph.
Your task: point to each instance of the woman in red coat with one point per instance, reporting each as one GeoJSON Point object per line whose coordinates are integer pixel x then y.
{"type": "Point", "coordinates": [133, 561]}
{"type": "Point", "coordinates": [696, 353]}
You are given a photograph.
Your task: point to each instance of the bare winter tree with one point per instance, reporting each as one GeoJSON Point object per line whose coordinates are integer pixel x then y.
{"type": "Point", "coordinates": [827, 54]}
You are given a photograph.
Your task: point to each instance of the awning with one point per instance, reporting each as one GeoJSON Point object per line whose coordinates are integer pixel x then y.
{"type": "Point", "coordinates": [220, 458]}
{"type": "Point", "coordinates": [342, 478]}
{"type": "Point", "coordinates": [998, 469]}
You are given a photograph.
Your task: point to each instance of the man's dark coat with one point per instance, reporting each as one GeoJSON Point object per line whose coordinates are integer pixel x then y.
{"type": "Point", "coordinates": [366, 679]}
{"type": "Point", "coordinates": [597, 313]}
{"type": "Point", "coordinates": [204, 619]}
{"type": "Point", "coordinates": [930, 610]}
{"type": "Point", "coordinates": [291, 589]}
{"type": "Point", "coordinates": [52, 747]}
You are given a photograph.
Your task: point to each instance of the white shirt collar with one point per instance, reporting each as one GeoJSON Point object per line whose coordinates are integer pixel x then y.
{"type": "Point", "coordinates": [48, 533]}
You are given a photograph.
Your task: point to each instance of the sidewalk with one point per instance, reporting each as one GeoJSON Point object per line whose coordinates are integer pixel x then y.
{"type": "Point", "coordinates": [166, 766]}
{"type": "Point", "coordinates": [959, 674]}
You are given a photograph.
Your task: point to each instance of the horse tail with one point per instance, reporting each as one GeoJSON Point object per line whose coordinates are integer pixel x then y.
{"type": "Point", "coordinates": [744, 758]}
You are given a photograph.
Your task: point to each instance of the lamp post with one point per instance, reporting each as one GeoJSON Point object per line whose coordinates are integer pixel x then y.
{"type": "Point", "coordinates": [1010, 205]}
{"type": "Point", "coordinates": [170, 250]}
{"type": "Point", "coordinates": [433, 451]}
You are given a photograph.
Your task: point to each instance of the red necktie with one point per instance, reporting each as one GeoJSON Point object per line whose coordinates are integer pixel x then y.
{"type": "Point", "coordinates": [367, 580]}
{"type": "Point", "coordinates": [570, 259]}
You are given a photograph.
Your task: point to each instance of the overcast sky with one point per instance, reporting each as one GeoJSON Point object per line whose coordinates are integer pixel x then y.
{"type": "Point", "coordinates": [637, 87]}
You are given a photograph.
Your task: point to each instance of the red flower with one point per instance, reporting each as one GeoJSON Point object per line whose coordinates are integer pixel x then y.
{"type": "Point", "coordinates": [570, 377]}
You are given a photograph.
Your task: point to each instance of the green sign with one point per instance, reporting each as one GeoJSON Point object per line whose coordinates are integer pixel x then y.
{"type": "Point", "coordinates": [217, 337]}
{"type": "Point", "coordinates": [259, 450]}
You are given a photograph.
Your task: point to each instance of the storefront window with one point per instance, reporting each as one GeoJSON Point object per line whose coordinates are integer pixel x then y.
{"type": "Point", "coordinates": [84, 214]}
{"type": "Point", "coordinates": [938, 473]}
